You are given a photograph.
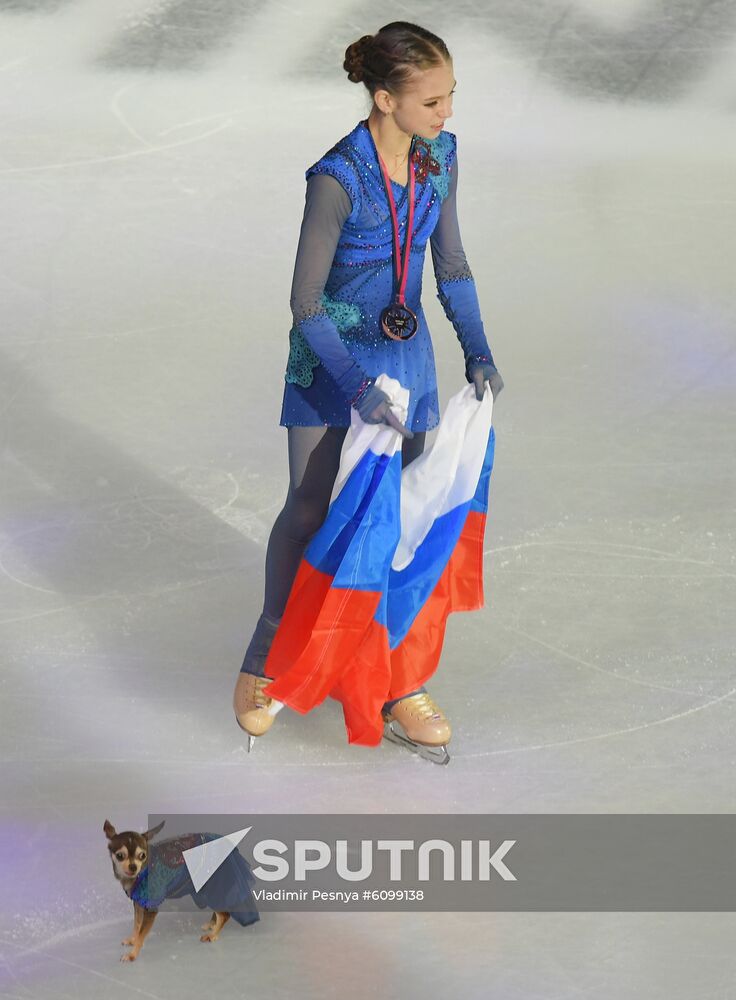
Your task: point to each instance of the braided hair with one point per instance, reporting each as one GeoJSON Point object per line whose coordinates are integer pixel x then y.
{"type": "Point", "coordinates": [389, 59]}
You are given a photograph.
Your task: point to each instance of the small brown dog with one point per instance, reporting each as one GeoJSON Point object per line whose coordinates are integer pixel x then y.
{"type": "Point", "coordinates": [129, 854]}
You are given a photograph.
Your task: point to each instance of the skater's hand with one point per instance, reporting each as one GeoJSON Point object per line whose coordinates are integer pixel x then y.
{"type": "Point", "coordinates": [375, 408]}
{"type": "Point", "coordinates": [479, 374]}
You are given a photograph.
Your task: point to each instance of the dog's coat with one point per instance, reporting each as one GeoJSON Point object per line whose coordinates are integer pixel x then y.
{"type": "Point", "coordinates": [166, 876]}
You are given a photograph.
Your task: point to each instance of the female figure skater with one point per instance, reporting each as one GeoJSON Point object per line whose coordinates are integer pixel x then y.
{"type": "Point", "coordinates": [372, 202]}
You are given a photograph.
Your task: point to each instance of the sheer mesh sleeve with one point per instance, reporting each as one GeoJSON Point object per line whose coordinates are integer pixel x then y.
{"type": "Point", "coordinates": [326, 208]}
{"type": "Point", "coordinates": [455, 283]}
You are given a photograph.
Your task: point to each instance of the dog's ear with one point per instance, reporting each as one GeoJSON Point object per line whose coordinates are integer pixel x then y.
{"type": "Point", "coordinates": [109, 829]}
{"type": "Point", "coordinates": [152, 833]}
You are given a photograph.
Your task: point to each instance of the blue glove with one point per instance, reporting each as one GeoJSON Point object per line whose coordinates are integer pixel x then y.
{"type": "Point", "coordinates": [478, 370]}
{"type": "Point", "coordinates": [374, 407]}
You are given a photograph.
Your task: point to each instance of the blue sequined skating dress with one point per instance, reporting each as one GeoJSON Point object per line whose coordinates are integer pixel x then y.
{"type": "Point", "coordinates": [343, 278]}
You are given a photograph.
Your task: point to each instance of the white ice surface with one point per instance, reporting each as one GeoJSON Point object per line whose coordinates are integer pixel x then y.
{"type": "Point", "coordinates": [152, 165]}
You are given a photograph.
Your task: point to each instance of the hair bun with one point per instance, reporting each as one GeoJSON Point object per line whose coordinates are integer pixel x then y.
{"type": "Point", "coordinates": [355, 56]}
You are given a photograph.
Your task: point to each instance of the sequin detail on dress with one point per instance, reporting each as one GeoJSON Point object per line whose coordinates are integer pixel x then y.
{"type": "Point", "coordinates": [436, 161]}
{"type": "Point", "coordinates": [443, 274]}
{"type": "Point", "coordinates": [302, 359]}
{"type": "Point", "coordinates": [424, 162]}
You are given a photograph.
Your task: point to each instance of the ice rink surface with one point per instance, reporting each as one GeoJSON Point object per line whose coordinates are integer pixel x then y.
{"type": "Point", "coordinates": [152, 184]}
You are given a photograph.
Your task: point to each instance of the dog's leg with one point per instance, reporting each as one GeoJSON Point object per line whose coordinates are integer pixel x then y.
{"type": "Point", "coordinates": [220, 920]}
{"type": "Point", "coordinates": [137, 917]}
{"type": "Point", "coordinates": [147, 918]}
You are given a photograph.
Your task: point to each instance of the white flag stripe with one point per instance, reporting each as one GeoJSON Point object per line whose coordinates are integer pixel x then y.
{"type": "Point", "coordinates": [381, 439]}
{"type": "Point", "coordinates": [446, 475]}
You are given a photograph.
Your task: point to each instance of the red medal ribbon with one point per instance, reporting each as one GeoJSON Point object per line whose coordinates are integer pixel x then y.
{"type": "Point", "coordinates": [401, 270]}
{"type": "Point", "coordinates": [398, 321]}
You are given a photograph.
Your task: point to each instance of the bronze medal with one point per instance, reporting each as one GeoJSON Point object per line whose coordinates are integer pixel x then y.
{"type": "Point", "coordinates": [399, 322]}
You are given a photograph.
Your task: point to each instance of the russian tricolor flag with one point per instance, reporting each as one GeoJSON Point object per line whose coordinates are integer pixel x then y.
{"type": "Point", "coordinates": [398, 552]}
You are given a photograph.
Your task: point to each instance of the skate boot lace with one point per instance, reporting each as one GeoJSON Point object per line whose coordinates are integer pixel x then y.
{"type": "Point", "coordinates": [423, 707]}
{"type": "Point", "coordinates": [261, 700]}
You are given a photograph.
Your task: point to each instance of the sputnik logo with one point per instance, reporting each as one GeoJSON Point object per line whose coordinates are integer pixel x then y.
{"type": "Point", "coordinates": [202, 862]}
